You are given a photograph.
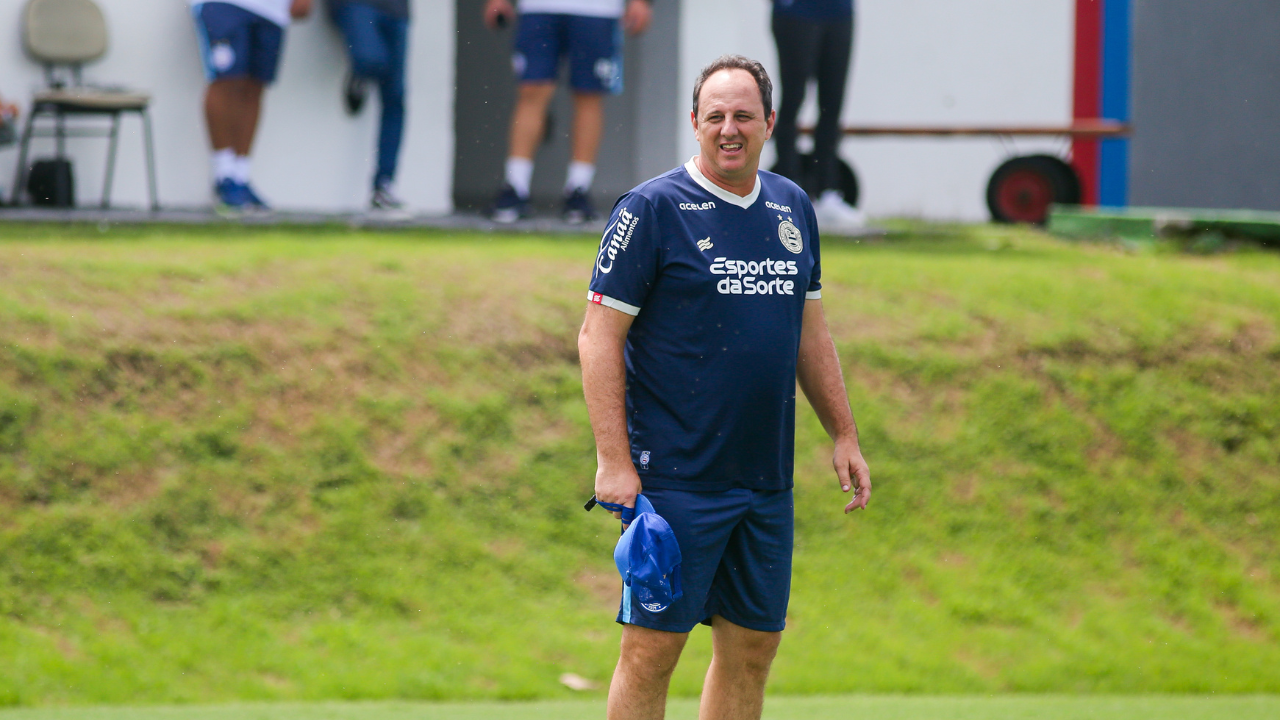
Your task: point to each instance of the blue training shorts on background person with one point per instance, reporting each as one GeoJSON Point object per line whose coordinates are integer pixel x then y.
{"type": "Point", "coordinates": [592, 44]}
{"type": "Point", "coordinates": [237, 43]}
{"type": "Point", "coordinates": [735, 549]}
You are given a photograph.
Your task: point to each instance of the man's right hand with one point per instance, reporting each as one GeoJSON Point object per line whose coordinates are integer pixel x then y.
{"type": "Point", "coordinates": [620, 485]}
{"type": "Point", "coordinates": [498, 13]}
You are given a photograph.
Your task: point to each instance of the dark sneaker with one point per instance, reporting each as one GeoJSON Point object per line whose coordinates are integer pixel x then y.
{"type": "Point", "coordinates": [509, 206]}
{"type": "Point", "coordinates": [230, 196]}
{"type": "Point", "coordinates": [384, 199]}
{"type": "Point", "coordinates": [255, 203]}
{"type": "Point", "coordinates": [354, 91]}
{"type": "Point", "coordinates": [578, 208]}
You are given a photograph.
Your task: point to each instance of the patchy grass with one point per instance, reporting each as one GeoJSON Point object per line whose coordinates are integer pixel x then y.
{"type": "Point", "coordinates": [239, 464]}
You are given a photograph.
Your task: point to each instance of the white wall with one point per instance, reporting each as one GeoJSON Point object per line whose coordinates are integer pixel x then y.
{"type": "Point", "coordinates": [308, 154]}
{"type": "Point", "coordinates": [918, 62]}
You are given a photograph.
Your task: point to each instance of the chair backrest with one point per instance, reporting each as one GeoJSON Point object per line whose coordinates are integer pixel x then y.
{"type": "Point", "coordinates": [64, 31]}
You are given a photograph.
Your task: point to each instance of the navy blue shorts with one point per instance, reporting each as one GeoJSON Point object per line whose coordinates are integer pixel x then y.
{"type": "Point", "coordinates": [593, 46]}
{"type": "Point", "coordinates": [735, 549]}
{"type": "Point", "coordinates": [237, 43]}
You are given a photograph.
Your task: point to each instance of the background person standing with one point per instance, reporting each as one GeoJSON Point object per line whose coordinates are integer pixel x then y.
{"type": "Point", "coordinates": [376, 34]}
{"type": "Point", "coordinates": [240, 44]}
{"type": "Point", "coordinates": [586, 32]}
{"type": "Point", "coordinates": [815, 41]}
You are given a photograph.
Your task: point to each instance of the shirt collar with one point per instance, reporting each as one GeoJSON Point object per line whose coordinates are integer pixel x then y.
{"type": "Point", "coordinates": [691, 167]}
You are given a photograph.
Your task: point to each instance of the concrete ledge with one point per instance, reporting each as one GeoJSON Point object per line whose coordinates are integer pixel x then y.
{"type": "Point", "coordinates": [373, 220]}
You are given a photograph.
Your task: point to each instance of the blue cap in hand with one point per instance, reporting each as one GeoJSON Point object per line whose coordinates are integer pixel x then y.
{"type": "Point", "coordinates": [648, 558]}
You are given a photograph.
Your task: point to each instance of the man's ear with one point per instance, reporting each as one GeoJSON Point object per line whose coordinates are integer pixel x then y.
{"type": "Point", "coordinates": [768, 128]}
{"type": "Point", "coordinates": [693, 120]}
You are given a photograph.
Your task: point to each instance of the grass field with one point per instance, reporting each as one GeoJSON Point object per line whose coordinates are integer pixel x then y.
{"type": "Point", "coordinates": [1051, 707]}
{"type": "Point", "coordinates": [242, 465]}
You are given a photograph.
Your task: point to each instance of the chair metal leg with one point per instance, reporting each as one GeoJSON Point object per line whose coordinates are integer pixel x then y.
{"type": "Point", "coordinates": [20, 175]}
{"type": "Point", "coordinates": [111, 160]}
{"type": "Point", "coordinates": [151, 160]}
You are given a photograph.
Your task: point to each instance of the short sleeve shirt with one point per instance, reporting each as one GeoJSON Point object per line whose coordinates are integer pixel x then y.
{"type": "Point", "coordinates": [717, 284]}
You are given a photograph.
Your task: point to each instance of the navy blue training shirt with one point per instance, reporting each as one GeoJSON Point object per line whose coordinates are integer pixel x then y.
{"type": "Point", "coordinates": [717, 284]}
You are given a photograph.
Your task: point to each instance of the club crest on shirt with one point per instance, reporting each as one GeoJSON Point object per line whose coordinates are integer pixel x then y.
{"type": "Point", "coordinates": [790, 236]}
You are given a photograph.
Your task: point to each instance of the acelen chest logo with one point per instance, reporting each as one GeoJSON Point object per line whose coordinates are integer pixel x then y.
{"type": "Point", "coordinates": [611, 245]}
{"type": "Point", "coordinates": [790, 236]}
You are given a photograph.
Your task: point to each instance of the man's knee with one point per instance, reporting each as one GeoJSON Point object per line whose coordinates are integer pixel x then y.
{"type": "Point", "coordinates": [368, 62]}
{"type": "Point", "coordinates": [653, 653]}
{"type": "Point", "coordinates": [752, 650]}
{"type": "Point", "coordinates": [536, 93]}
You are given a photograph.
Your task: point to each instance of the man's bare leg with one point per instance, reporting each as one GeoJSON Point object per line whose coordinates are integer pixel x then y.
{"type": "Point", "coordinates": [639, 687]}
{"type": "Point", "coordinates": [740, 660]}
{"type": "Point", "coordinates": [231, 109]}
{"type": "Point", "coordinates": [588, 126]}
{"type": "Point", "coordinates": [528, 119]}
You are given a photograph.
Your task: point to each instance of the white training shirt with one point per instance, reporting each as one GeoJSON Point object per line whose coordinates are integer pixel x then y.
{"type": "Point", "coordinates": [277, 11]}
{"type": "Point", "coordinates": [589, 8]}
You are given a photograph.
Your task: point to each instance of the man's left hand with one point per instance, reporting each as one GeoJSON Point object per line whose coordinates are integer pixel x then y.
{"type": "Point", "coordinates": [299, 9]}
{"type": "Point", "coordinates": [852, 472]}
{"type": "Point", "coordinates": [637, 17]}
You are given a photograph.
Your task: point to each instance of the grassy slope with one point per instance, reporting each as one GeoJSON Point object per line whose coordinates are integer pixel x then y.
{"type": "Point", "coordinates": [313, 465]}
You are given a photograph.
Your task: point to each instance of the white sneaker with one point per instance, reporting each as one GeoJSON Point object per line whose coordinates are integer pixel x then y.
{"type": "Point", "coordinates": [837, 217]}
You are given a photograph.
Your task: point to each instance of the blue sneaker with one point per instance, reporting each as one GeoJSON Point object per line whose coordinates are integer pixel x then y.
{"type": "Point", "coordinates": [509, 206]}
{"type": "Point", "coordinates": [231, 196]}
{"type": "Point", "coordinates": [578, 208]}
{"type": "Point", "coordinates": [255, 202]}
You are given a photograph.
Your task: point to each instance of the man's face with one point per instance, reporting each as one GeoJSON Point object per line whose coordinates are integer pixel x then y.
{"type": "Point", "coordinates": [730, 124]}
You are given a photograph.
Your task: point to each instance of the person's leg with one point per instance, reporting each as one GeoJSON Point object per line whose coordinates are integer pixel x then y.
{"type": "Point", "coordinates": [362, 31]}
{"type": "Point", "coordinates": [832, 69]}
{"type": "Point", "coordinates": [226, 102]}
{"type": "Point", "coordinates": [528, 118]}
{"type": "Point", "coordinates": [595, 69]}
{"type": "Point", "coordinates": [748, 606]}
{"type": "Point", "coordinates": [231, 109]}
{"type": "Point", "coordinates": [232, 101]}
{"type": "Point", "coordinates": [795, 40]}
{"type": "Point", "coordinates": [647, 658]}
{"type": "Point", "coordinates": [740, 661]}
{"type": "Point", "coordinates": [536, 60]}
{"type": "Point", "coordinates": [588, 126]}
{"type": "Point", "coordinates": [395, 36]}
{"type": "Point", "coordinates": [240, 101]}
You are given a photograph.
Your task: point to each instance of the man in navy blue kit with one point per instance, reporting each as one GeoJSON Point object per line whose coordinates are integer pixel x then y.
{"type": "Point", "coordinates": [704, 311]}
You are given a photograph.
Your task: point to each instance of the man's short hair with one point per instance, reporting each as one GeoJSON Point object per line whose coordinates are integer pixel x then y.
{"type": "Point", "coordinates": [737, 62]}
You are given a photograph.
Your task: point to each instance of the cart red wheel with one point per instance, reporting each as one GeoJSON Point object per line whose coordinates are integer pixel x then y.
{"type": "Point", "coordinates": [1022, 189]}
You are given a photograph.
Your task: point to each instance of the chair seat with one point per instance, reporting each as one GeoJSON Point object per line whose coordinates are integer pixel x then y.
{"type": "Point", "coordinates": [91, 99]}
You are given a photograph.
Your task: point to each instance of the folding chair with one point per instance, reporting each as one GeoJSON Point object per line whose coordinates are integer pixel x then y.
{"type": "Point", "coordinates": [70, 33]}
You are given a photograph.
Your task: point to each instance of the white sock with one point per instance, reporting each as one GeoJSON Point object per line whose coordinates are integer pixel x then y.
{"type": "Point", "coordinates": [241, 169]}
{"type": "Point", "coordinates": [580, 176]}
{"type": "Point", "coordinates": [519, 174]}
{"type": "Point", "coordinates": [224, 164]}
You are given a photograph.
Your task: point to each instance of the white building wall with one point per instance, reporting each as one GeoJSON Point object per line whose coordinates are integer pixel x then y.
{"type": "Point", "coordinates": [309, 155]}
{"type": "Point", "coordinates": [918, 62]}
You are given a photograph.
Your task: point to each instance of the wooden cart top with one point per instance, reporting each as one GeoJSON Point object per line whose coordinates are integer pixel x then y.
{"type": "Point", "coordinates": [1087, 128]}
